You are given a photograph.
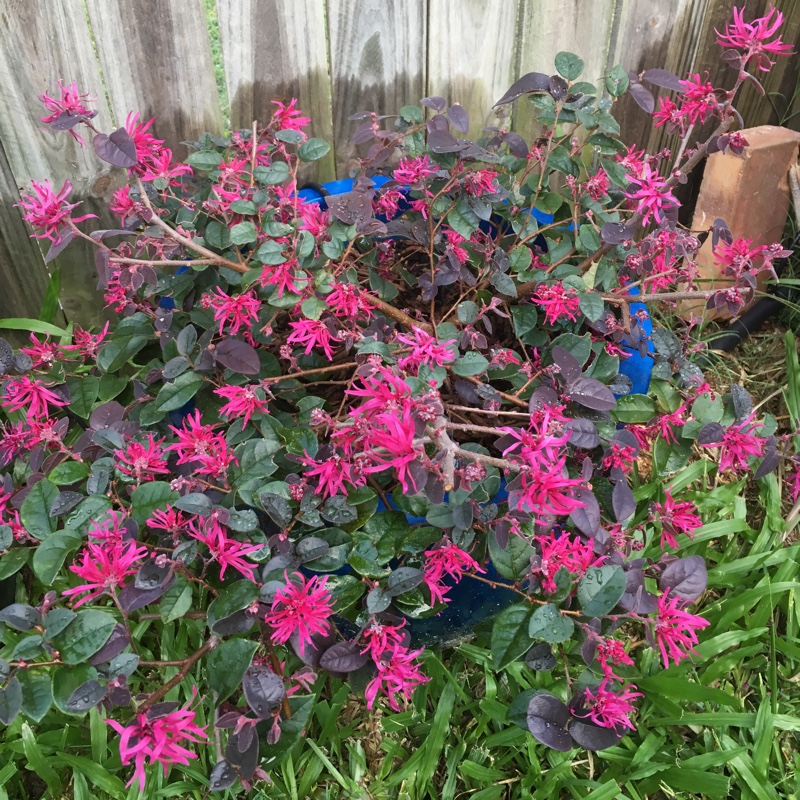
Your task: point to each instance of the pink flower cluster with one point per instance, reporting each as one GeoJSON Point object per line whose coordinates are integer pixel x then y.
{"type": "Point", "coordinates": [302, 608]}
{"type": "Point", "coordinates": [558, 301]}
{"type": "Point", "coordinates": [563, 552]}
{"type": "Point", "coordinates": [446, 560]}
{"type": "Point", "coordinates": [48, 212]}
{"type": "Point", "coordinates": [675, 516]}
{"type": "Point", "coordinates": [198, 445]}
{"type": "Point", "coordinates": [158, 737]}
{"type": "Point", "coordinates": [751, 38]}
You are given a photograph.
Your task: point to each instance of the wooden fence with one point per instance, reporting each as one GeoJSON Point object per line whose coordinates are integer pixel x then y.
{"type": "Point", "coordinates": [167, 58]}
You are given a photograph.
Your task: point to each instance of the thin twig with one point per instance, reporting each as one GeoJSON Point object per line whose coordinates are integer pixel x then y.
{"type": "Point", "coordinates": [210, 643]}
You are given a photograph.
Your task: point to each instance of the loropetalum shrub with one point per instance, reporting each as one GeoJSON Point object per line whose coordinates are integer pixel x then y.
{"type": "Point", "coordinates": [209, 468]}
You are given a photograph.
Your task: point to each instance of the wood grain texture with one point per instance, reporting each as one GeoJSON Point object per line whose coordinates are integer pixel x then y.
{"type": "Point", "coordinates": [276, 50]}
{"type": "Point", "coordinates": [550, 26]}
{"type": "Point", "coordinates": [156, 59]}
{"type": "Point", "coordinates": [378, 61]}
{"type": "Point", "coordinates": [470, 55]}
{"type": "Point", "coordinates": [41, 43]}
{"type": "Point", "coordinates": [23, 275]}
{"type": "Point", "coordinates": [649, 34]}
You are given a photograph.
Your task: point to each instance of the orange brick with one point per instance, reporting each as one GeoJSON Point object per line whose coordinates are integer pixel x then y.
{"type": "Point", "coordinates": [750, 192]}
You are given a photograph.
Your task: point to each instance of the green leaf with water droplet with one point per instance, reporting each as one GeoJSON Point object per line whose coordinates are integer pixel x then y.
{"type": "Point", "coordinates": [510, 634]}
{"type": "Point", "coordinates": [601, 589]}
{"type": "Point", "coordinates": [549, 624]}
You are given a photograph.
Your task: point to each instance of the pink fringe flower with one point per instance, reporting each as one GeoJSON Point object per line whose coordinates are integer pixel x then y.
{"type": "Point", "coordinates": [397, 675]}
{"type": "Point", "coordinates": [301, 607]}
{"type": "Point", "coordinates": [49, 211]}
{"type": "Point", "coordinates": [142, 461]}
{"type": "Point", "coordinates": [450, 560]}
{"type": "Point", "coordinates": [675, 517]}
{"type": "Point", "coordinates": [610, 709]}
{"type": "Point", "coordinates": [243, 401]}
{"type": "Point", "coordinates": [652, 194]}
{"type": "Point", "coordinates": [751, 38]}
{"type": "Point", "coordinates": [158, 739]}
{"type": "Point", "coordinates": [32, 396]}
{"type": "Point", "coordinates": [225, 551]}
{"type": "Point", "coordinates": [675, 629]}
{"type": "Point", "coordinates": [558, 302]}
{"type": "Point", "coordinates": [105, 567]}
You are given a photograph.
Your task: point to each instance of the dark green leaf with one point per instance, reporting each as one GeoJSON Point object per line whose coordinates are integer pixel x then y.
{"type": "Point", "coordinates": [173, 396]}
{"type": "Point", "coordinates": [149, 497]}
{"type": "Point", "coordinates": [10, 701]}
{"type": "Point", "coordinates": [635, 408]}
{"type": "Point", "coordinates": [243, 233]}
{"type": "Point", "coordinates": [35, 511]}
{"type": "Point", "coordinates": [13, 561]}
{"type": "Point", "coordinates": [601, 589]}
{"type": "Point", "coordinates": [37, 693]}
{"type": "Point", "coordinates": [69, 472]}
{"type": "Point", "coordinates": [568, 65]}
{"type": "Point", "coordinates": [51, 553]}
{"type": "Point", "coordinates": [550, 624]}
{"type": "Point", "coordinates": [277, 172]}
{"type": "Point", "coordinates": [84, 636]}
{"type": "Point", "coordinates": [510, 638]}
{"type": "Point", "coordinates": [82, 394]}
{"type": "Point", "coordinates": [226, 664]}
{"type": "Point", "coordinates": [313, 150]}
{"type": "Point", "coordinates": [205, 160]}
{"type": "Point", "coordinates": [231, 599]}
{"type": "Point", "coordinates": [513, 561]}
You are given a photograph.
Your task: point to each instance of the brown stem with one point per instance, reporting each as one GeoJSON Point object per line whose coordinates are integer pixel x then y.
{"type": "Point", "coordinates": [185, 240]}
{"type": "Point", "coordinates": [509, 397]}
{"type": "Point", "coordinates": [176, 262]}
{"type": "Point", "coordinates": [623, 299]}
{"type": "Point", "coordinates": [315, 371]}
{"type": "Point", "coordinates": [188, 663]}
{"type": "Point", "coordinates": [396, 314]}
{"type": "Point", "coordinates": [487, 412]}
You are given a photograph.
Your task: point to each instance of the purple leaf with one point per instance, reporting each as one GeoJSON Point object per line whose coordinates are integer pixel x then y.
{"type": "Point", "coordinates": [733, 58]}
{"type": "Point", "coordinates": [65, 121]}
{"type": "Point", "coordinates": [663, 78]}
{"type": "Point", "coordinates": [711, 433]}
{"type": "Point", "coordinates": [404, 579]}
{"type": "Point", "coordinates": [543, 396]}
{"type": "Point", "coordinates": [592, 737]}
{"type": "Point", "coordinates": [459, 117]}
{"type": "Point", "coordinates": [436, 103]}
{"type": "Point", "coordinates": [558, 87]}
{"type": "Point", "coordinates": [117, 149]}
{"type": "Point", "coordinates": [516, 144]}
{"type": "Point", "coordinates": [617, 232]}
{"type": "Point", "coordinates": [444, 142]}
{"type": "Point", "coordinates": [547, 718]}
{"type": "Point", "coordinates": [106, 415]}
{"type": "Point", "coordinates": [351, 207]}
{"type": "Point", "coordinates": [86, 696]}
{"type": "Point", "coordinates": [623, 501]}
{"type": "Point", "coordinates": [238, 356]}
{"type": "Point", "coordinates": [63, 502]}
{"type": "Point", "coordinates": [263, 690]}
{"type": "Point", "coordinates": [132, 599]}
{"type": "Point", "coordinates": [222, 777]}
{"type": "Point", "coordinates": [241, 752]}
{"type": "Point", "coordinates": [150, 575]}
{"type": "Point", "coordinates": [101, 261]}
{"type": "Point", "coordinates": [343, 657]}
{"type": "Point", "coordinates": [532, 82]}
{"type": "Point", "coordinates": [687, 577]}
{"type": "Point", "coordinates": [56, 249]}
{"type": "Point", "coordinates": [643, 97]}
{"type": "Point", "coordinates": [586, 518]}
{"type": "Point", "coordinates": [590, 393]}
{"type": "Point", "coordinates": [770, 462]}
{"type": "Point", "coordinates": [568, 365]}
{"type": "Point", "coordinates": [116, 643]}
{"type": "Point", "coordinates": [582, 433]}
{"type": "Point", "coordinates": [540, 657]}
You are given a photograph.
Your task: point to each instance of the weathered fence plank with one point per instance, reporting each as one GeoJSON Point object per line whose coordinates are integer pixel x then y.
{"type": "Point", "coordinates": [471, 47]}
{"type": "Point", "coordinates": [24, 277]}
{"type": "Point", "coordinates": [378, 63]}
{"type": "Point", "coordinates": [276, 50]}
{"type": "Point", "coordinates": [41, 43]}
{"type": "Point", "coordinates": [156, 59]}
{"type": "Point", "coordinates": [550, 26]}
